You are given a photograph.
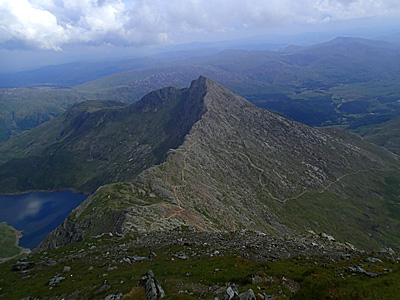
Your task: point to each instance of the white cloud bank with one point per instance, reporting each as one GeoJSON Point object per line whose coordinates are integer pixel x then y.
{"type": "Point", "coordinates": [50, 24]}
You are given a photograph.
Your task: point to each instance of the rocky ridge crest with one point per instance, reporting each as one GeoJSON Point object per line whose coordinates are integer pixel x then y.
{"type": "Point", "coordinates": [242, 167]}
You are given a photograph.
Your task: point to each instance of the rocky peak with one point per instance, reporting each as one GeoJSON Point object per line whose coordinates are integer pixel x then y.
{"type": "Point", "coordinates": [230, 165]}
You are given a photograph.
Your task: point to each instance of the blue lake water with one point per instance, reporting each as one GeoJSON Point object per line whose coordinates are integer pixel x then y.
{"type": "Point", "coordinates": [37, 214]}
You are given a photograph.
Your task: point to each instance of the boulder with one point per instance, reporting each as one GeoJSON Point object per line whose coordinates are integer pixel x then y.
{"type": "Point", "coordinates": [103, 288]}
{"type": "Point", "coordinates": [23, 265]}
{"type": "Point", "coordinates": [66, 269]}
{"type": "Point", "coordinates": [358, 269]}
{"type": "Point", "coordinates": [114, 297]}
{"type": "Point", "coordinates": [56, 280]}
{"type": "Point", "coordinates": [231, 293]}
{"type": "Point", "coordinates": [152, 287]}
{"type": "Point", "coordinates": [248, 295]}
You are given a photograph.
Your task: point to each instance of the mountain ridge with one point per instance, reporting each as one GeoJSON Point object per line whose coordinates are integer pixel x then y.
{"type": "Point", "coordinates": [242, 167]}
{"type": "Point", "coordinates": [349, 83]}
{"type": "Point", "coordinates": [92, 147]}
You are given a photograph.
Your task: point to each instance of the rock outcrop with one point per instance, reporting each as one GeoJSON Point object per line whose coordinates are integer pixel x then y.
{"type": "Point", "coordinates": [153, 289]}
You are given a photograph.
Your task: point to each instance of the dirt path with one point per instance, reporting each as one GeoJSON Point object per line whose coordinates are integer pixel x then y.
{"type": "Point", "coordinates": [179, 210]}
{"type": "Point", "coordinates": [305, 191]}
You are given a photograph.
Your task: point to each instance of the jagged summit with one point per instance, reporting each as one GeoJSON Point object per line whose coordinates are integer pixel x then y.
{"type": "Point", "coordinates": [236, 166]}
{"type": "Point", "coordinates": [100, 142]}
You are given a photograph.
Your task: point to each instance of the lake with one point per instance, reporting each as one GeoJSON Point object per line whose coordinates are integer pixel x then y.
{"type": "Point", "coordinates": [37, 214]}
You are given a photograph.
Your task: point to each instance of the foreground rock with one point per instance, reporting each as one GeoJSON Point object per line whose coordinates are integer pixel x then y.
{"type": "Point", "coordinates": [205, 265]}
{"type": "Point", "coordinates": [153, 288]}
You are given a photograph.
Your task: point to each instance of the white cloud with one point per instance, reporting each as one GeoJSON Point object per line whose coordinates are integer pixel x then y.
{"type": "Point", "coordinates": [50, 24]}
{"type": "Point", "coordinates": [37, 27]}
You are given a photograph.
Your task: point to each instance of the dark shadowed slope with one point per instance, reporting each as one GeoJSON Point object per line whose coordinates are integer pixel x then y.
{"type": "Point", "coordinates": [91, 145]}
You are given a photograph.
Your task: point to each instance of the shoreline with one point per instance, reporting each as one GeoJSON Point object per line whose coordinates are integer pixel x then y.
{"type": "Point", "coordinates": [45, 191]}
{"type": "Point", "coordinates": [17, 203]}
{"type": "Point", "coordinates": [18, 236]}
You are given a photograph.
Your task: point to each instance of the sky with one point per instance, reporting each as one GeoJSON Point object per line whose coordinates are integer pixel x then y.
{"type": "Point", "coordinates": [36, 30]}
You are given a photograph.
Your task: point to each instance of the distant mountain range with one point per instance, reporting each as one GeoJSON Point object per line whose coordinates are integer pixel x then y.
{"type": "Point", "coordinates": [346, 81]}
{"type": "Point", "coordinates": [205, 157]}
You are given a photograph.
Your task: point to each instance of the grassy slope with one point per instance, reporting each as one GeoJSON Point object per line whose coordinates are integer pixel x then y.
{"type": "Point", "coordinates": [360, 217]}
{"type": "Point", "coordinates": [22, 109]}
{"type": "Point", "coordinates": [8, 241]}
{"type": "Point", "coordinates": [386, 134]}
{"type": "Point", "coordinates": [199, 276]}
{"type": "Point", "coordinates": [89, 146]}
{"type": "Point", "coordinates": [33, 142]}
{"type": "Point", "coordinates": [369, 222]}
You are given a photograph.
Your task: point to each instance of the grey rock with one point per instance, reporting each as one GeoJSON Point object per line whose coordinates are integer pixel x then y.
{"type": "Point", "coordinates": [23, 265]}
{"type": "Point", "coordinates": [136, 258]}
{"type": "Point", "coordinates": [114, 297]}
{"type": "Point", "coordinates": [66, 269]}
{"type": "Point", "coordinates": [181, 255]}
{"type": "Point", "coordinates": [373, 260]}
{"type": "Point", "coordinates": [152, 287]}
{"type": "Point", "coordinates": [328, 237]}
{"type": "Point", "coordinates": [351, 246]}
{"type": "Point", "coordinates": [387, 250]}
{"type": "Point", "coordinates": [152, 255]}
{"type": "Point", "coordinates": [255, 278]}
{"type": "Point", "coordinates": [126, 260]}
{"type": "Point", "coordinates": [56, 280]}
{"type": "Point", "coordinates": [358, 269]}
{"type": "Point", "coordinates": [231, 293]}
{"type": "Point", "coordinates": [103, 288]}
{"type": "Point", "coordinates": [249, 295]}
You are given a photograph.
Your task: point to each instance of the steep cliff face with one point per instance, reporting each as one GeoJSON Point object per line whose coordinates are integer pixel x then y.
{"type": "Point", "coordinates": [242, 167]}
{"type": "Point", "coordinates": [92, 145]}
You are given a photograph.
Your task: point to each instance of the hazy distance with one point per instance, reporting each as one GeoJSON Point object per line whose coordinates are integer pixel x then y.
{"type": "Point", "coordinates": [36, 33]}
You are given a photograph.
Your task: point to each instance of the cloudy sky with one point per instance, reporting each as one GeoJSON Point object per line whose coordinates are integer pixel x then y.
{"type": "Point", "coordinates": [57, 25]}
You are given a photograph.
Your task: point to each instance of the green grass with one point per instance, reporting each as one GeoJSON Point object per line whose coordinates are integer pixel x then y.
{"type": "Point", "coordinates": [318, 278]}
{"type": "Point", "coordinates": [359, 221]}
{"type": "Point", "coordinates": [8, 245]}
{"type": "Point", "coordinates": [25, 108]}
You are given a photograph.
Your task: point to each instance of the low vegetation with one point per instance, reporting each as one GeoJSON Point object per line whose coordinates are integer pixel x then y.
{"type": "Point", "coordinates": [110, 265]}
{"type": "Point", "coordinates": [9, 238]}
